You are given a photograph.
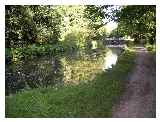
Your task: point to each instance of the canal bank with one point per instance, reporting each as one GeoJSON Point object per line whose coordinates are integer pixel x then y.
{"type": "Point", "coordinates": [91, 99]}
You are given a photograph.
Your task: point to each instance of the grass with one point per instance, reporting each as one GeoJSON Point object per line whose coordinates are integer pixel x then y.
{"type": "Point", "coordinates": [93, 99]}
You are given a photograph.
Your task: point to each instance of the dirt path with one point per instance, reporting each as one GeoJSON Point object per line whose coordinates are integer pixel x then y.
{"type": "Point", "coordinates": [139, 98]}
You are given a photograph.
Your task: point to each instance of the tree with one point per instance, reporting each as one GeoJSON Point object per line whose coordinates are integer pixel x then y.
{"type": "Point", "coordinates": [79, 24]}
{"type": "Point", "coordinates": [26, 25]}
{"type": "Point", "coordinates": [19, 27]}
{"type": "Point", "coordinates": [95, 14]}
{"type": "Point", "coordinates": [138, 21]}
{"type": "Point", "coordinates": [35, 24]}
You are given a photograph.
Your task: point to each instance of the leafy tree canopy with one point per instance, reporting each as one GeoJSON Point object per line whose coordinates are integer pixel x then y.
{"type": "Point", "coordinates": [138, 21]}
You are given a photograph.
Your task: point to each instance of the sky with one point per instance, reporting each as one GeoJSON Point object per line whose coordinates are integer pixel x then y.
{"type": "Point", "coordinates": [111, 26]}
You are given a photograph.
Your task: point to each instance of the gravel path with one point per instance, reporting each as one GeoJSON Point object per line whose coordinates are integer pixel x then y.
{"type": "Point", "coordinates": [139, 98]}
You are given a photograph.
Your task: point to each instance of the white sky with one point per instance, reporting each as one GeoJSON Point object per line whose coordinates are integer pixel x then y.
{"type": "Point", "coordinates": [111, 26]}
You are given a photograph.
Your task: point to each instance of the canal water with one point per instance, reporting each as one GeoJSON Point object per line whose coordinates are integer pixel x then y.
{"type": "Point", "coordinates": [111, 57]}
{"type": "Point", "coordinates": [58, 70]}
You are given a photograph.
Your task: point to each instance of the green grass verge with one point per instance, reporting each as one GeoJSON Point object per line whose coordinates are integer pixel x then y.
{"type": "Point", "coordinates": [93, 99]}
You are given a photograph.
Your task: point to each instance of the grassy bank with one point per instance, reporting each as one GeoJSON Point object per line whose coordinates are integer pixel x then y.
{"type": "Point", "coordinates": [93, 99]}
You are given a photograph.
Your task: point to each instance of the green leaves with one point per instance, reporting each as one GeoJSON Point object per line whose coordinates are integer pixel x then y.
{"type": "Point", "coordinates": [29, 24]}
{"type": "Point", "coordinates": [95, 14]}
{"type": "Point", "coordinates": [138, 22]}
{"type": "Point", "coordinates": [26, 25]}
{"type": "Point", "coordinates": [69, 27]}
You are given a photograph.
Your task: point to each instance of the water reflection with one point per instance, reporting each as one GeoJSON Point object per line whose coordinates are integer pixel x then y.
{"type": "Point", "coordinates": [52, 71]}
{"type": "Point", "coordinates": [111, 57]}
{"type": "Point", "coordinates": [58, 70]}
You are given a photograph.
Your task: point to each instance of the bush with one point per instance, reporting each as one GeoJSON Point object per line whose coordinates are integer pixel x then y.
{"type": "Point", "coordinates": [29, 52]}
{"type": "Point", "coordinates": [150, 47]}
{"type": "Point", "coordinates": [81, 69]}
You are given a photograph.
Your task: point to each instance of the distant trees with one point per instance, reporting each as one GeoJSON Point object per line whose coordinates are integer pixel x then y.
{"type": "Point", "coordinates": [79, 24]}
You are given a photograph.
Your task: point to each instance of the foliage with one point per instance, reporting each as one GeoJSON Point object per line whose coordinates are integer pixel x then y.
{"type": "Point", "coordinates": [33, 51]}
{"type": "Point", "coordinates": [77, 27]}
{"type": "Point", "coordinates": [35, 31]}
{"type": "Point", "coordinates": [39, 72]}
{"type": "Point", "coordinates": [81, 69]}
{"type": "Point", "coordinates": [150, 47]}
{"type": "Point", "coordinates": [49, 70]}
{"type": "Point", "coordinates": [95, 14]}
{"type": "Point", "coordinates": [67, 27]}
{"type": "Point", "coordinates": [139, 22]}
{"type": "Point", "coordinates": [30, 24]}
{"type": "Point", "coordinates": [92, 99]}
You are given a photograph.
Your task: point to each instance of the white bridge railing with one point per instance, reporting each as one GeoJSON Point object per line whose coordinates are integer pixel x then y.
{"type": "Point", "coordinates": [121, 46]}
{"type": "Point", "coordinates": [121, 38]}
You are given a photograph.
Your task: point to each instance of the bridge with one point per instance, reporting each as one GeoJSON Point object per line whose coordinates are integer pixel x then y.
{"type": "Point", "coordinates": [116, 42]}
